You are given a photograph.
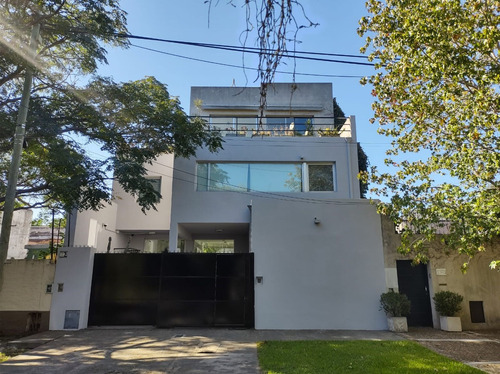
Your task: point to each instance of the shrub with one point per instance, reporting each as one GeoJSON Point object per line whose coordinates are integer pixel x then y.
{"type": "Point", "coordinates": [395, 304]}
{"type": "Point", "coordinates": [447, 303]}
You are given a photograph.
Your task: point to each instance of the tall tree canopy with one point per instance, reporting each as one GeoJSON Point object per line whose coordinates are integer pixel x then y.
{"type": "Point", "coordinates": [437, 95]}
{"type": "Point", "coordinates": [132, 122]}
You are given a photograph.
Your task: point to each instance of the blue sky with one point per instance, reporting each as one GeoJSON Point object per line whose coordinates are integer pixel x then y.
{"type": "Point", "coordinates": [189, 20]}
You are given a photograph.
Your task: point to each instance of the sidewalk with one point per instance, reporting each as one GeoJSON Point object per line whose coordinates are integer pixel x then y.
{"type": "Point", "coordinates": [152, 351]}
{"type": "Point", "coordinates": [480, 349]}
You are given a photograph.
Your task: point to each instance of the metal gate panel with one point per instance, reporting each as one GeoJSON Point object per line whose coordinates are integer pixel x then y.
{"type": "Point", "coordinates": [125, 289]}
{"type": "Point", "coordinates": [172, 289]}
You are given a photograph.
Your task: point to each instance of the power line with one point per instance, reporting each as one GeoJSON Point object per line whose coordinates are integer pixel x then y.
{"type": "Point", "coordinates": [235, 48]}
{"type": "Point", "coordinates": [244, 67]}
{"type": "Point", "coordinates": [255, 193]}
{"type": "Point", "coordinates": [253, 50]}
{"type": "Point", "coordinates": [250, 192]}
{"type": "Point", "coordinates": [258, 51]}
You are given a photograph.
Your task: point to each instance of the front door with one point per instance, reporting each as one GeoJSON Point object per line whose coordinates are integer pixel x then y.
{"type": "Point", "coordinates": [414, 283]}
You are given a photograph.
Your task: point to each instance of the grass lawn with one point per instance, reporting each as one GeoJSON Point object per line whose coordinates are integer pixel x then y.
{"type": "Point", "coordinates": [327, 357]}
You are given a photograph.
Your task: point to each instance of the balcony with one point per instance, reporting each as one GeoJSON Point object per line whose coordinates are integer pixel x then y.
{"type": "Point", "coordinates": [250, 127]}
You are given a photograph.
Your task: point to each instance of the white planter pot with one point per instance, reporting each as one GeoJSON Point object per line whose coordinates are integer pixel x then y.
{"type": "Point", "coordinates": [397, 324]}
{"type": "Point", "coordinates": [450, 323]}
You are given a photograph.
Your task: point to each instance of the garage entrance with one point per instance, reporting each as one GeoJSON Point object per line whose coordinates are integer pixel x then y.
{"type": "Point", "coordinates": [173, 290]}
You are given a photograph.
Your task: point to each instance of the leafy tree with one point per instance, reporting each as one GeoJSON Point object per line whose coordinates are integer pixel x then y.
{"type": "Point", "coordinates": [437, 96]}
{"type": "Point", "coordinates": [132, 122]}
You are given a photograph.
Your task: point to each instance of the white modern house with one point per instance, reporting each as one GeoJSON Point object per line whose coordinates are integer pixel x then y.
{"type": "Point", "coordinates": [277, 213]}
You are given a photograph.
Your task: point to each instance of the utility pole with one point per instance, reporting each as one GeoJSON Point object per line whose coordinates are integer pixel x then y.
{"type": "Point", "coordinates": [10, 196]}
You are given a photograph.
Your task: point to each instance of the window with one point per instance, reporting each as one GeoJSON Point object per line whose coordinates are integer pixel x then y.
{"type": "Point", "coordinates": [320, 177]}
{"type": "Point", "coordinates": [234, 126]}
{"type": "Point", "coordinates": [298, 125]}
{"type": "Point", "coordinates": [156, 183]}
{"type": "Point", "coordinates": [265, 177]}
{"type": "Point", "coordinates": [155, 245]}
{"type": "Point", "coordinates": [214, 246]}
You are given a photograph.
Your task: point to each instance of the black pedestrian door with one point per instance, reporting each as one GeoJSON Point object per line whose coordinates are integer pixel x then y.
{"type": "Point", "coordinates": [414, 283]}
{"type": "Point", "coordinates": [172, 289]}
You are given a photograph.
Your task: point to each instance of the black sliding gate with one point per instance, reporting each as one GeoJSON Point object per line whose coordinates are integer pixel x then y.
{"type": "Point", "coordinates": [173, 290]}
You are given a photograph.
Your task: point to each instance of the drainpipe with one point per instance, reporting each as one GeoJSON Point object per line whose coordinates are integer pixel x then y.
{"type": "Point", "coordinates": [348, 154]}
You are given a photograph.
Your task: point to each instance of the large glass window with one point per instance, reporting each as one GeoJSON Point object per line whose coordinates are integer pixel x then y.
{"type": "Point", "coordinates": [289, 125]}
{"type": "Point", "coordinates": [275, 177]}
{"type": "Point", "coordinates": [265, 177]}
{"type": "Point", "coordinates": [234, 126]}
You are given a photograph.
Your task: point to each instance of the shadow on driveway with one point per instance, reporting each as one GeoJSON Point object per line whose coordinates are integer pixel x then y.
{"type": "Point", "coordinates": [151, 350]}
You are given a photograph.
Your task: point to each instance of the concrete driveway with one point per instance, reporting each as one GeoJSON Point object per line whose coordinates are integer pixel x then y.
{"type": "Point", "coordinates": [151, 350]}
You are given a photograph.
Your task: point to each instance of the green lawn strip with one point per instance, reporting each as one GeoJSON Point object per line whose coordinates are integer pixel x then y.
{"type": "Point", "coordinates": [359, 356]}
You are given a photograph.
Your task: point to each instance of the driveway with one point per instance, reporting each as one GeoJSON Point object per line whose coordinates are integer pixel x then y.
{"type": "Point", "coordinates": [152, 351]}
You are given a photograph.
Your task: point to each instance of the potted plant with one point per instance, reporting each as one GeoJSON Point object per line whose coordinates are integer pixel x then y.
{"type": "Point", "coordinates": [448, 304]}
{"type": "Point", "coordinates": [396, 307]}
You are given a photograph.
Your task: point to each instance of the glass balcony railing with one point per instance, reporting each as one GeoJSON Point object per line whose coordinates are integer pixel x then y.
{"type": "Point", "coordinates": [250, 127]}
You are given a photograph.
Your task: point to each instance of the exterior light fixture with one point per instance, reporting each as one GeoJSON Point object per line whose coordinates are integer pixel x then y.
{"type": "Point", "coordinates": [316, 221]}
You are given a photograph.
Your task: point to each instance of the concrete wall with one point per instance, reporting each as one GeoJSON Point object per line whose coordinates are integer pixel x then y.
{"type": "Point", "coordinates": [19, 234]}
{"type": "Point", "coordinates": [282, 99]}
{"type": "Point", "coordinates": [479, 283]}
{"type": "Point", "coordinates": [317, 276]}
{"type": "Point", "coordinates": [23, 293]}
{"type": "Point", "coordinates": [72, 284]}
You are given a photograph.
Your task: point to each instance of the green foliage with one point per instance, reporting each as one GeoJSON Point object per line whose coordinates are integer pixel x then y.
{"type": "Point", "coordinates": [395, 304]}
{"type": "Point", "coordinates": [130, 123]}
{"type": "Point", "coordinates": [437, 97]}
{"type": "Point", "coordinates": [363, 164]}
{"type": "Point", "coordinates": [447, 303]}
{"type": "Point", "coordinates": [44, 218]}
{"type": "Point", "coordinates": [326, 357]}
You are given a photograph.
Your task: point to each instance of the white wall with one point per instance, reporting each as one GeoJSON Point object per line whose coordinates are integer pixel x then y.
{"type": "Point", "coordinates": [129, 214]}
{"type": "Point", "coordinates": [325, 276]}
{"type": "Point", "coordinates": [94, 228]}
{"type": "Point", "coordinates": [19, 233]}
{"type": "Point", "coordinates": [74, 272]}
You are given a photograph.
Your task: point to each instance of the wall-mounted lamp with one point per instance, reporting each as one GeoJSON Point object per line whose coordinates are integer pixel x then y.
{"type": "Point", "coordinates": [316, 221]}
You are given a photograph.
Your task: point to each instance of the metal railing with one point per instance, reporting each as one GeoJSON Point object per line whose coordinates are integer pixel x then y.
{"type": "Point", "coordinates": [250, 127]}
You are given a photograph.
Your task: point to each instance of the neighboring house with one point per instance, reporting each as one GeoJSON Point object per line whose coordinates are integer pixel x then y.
{"type": "Point", "coordinates": [40, 240]}
{"type": "Point", "coordinates": [479, 285]}
{"type": "Point", "coordinates": [282, 196]}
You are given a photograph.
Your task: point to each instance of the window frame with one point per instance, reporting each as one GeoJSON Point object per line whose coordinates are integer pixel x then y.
{"type": "Point", "coordinates": [304, 167]}
{"type": "Point", "coordinates": [307, 179]}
